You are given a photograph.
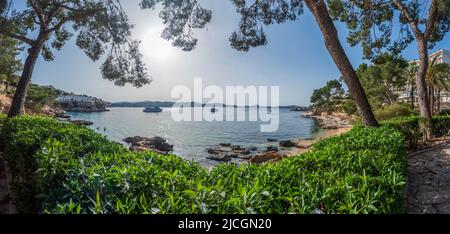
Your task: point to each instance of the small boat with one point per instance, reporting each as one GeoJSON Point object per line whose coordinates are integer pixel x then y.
{"type": "Point", "coordinates": [214, 110]}
{"type": "Point", "coordinates": [152, 109]}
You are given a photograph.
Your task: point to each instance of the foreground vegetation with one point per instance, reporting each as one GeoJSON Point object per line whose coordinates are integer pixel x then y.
{"type": "Point", "coordinates": [62, 168]}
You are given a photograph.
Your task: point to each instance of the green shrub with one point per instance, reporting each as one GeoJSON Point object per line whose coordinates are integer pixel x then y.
{"type": "Point", "coordinates": [393, 111]}
{"type": "Point", "coordinates": [445, 112]}
{"type": "Point", "coordinates": [62, 168]}
{"type": "Point", "coordinates": [413, 127]}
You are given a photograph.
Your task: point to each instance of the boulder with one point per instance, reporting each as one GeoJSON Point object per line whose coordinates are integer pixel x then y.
{"type": "Point", "coordinates": [81, 122]}
{"type": "Point", "coordinates": [288, 144]}
{"type": "Point", "coordinates": [63, 116]}
{"type": "Point", "coordinates": [246, 157]}
{"type": "Point", "coordinates": [221, 157]}
{"type": "Point", "coordinates": [266, 157]}
{"type": "Point", "coordinates": [272, 149]}
{"type": "Point", "coordinates": [225, 152]}
{"type": "Point", "coordinates": [272, 140]}
{"type": "Point", "coordinates": [216, 151]}
{"type": "Point", "coordinates": [330, 127]}
{"type": "Point", "coordinates": [252, 149]}
{"type": "Point", "coordinates": [156, 144]}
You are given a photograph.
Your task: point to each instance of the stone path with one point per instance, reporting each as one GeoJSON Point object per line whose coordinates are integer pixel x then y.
{"type": "Point", "coordinates": [429, 181]}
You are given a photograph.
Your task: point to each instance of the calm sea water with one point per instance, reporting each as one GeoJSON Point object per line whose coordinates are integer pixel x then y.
{"type": "Point", "coordinates": [191, 139]}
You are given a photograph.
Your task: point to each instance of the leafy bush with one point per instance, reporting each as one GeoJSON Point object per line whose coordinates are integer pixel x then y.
{"type": "Point", "coordinates": [62, 168]}
{"type": "Point", "coordinates": [393, 111]}
{"type": "Point", "coordinates": [412, 127]}
{"type": "Point", "coordinates": [445, 112]}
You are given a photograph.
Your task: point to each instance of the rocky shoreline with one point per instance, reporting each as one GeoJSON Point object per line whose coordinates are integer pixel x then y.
{"type": "Point", "coordinates": [327, 120]}
{"type": "Point", "coordinates": [155, 144]}
{"type": "Point", "coordinates": [226, 152]}
{"type": "Point", "coordinates": [273, 151]}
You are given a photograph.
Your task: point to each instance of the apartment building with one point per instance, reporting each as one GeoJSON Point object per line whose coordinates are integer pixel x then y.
{"type": "Point", "coordinates": [443, 56]}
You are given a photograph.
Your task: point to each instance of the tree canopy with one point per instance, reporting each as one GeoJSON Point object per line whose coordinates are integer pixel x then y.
{"type": "Point", "coordinates": [3, 4]}
{"type": "Point", "coordinates": [392, 24]}
{"type": "Point", "coordinates": [180, 18]}
{"type": "Point", "coordinates": [255, 14]}
{"type": "Point", "coordinates": [327, 95]}
{"type": "Point", "coordinates": [101, 27]}
{"type": "Point", "coordinates": [382, 78]}
{"type": "Point", "coordinates": [9, 49]}
{"type": "Point", "coordinates": [259, 13]}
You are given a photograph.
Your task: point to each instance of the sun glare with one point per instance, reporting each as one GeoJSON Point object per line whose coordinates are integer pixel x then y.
{"type": "Point", "coordinates": [155, 47]}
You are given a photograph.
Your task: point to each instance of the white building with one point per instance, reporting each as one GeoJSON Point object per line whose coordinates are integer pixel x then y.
{"type": "Point", "coordinates": [443, 56]}
{"type": "Point", "coordinates": [74, 98]}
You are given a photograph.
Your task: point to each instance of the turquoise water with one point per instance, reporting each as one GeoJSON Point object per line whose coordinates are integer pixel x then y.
{"type": "Point", "coordinates": [191, 139]}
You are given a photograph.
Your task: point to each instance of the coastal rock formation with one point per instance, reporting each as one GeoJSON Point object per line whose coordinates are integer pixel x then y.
{"type": "Point", "coordinates": [225, 152]}
{"type": "Point", "coordinates": [298, 108]}
{"type": "Point", "coordinates": [63, 116]}
{"type": "Point", "coordinates": [52, 111]}
{"type": "Point", "coordinates": [266, 157]}
{"type": "Point", "coordinates": [81, 122]}
{"type": "Point", "coordinates": [272, 149]}
{"type": "Point", "coordinates": [330, 120]}
{"type": "Point", "coordinates": [288, 144]}
{"type": "Point", "coordinates": [81, 103]}
{"type": "Point", "coordinates": [155, 144]}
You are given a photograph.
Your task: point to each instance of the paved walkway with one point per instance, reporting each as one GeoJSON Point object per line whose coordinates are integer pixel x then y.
{"type": "Point", "coordinates": [429, 181]}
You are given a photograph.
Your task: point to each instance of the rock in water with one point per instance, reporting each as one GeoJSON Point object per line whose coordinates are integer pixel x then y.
{"type": "Point", "coordinates": [225, 152]}
{"type": "Point", "coordinates": [272, 149]}
{"type": "Point", "coordinates": [156, 144]}
{"type": "Point", "coordinates": [288, 144]}
{"type": "Point", "coordinates": [266, 157]}
{"type": "Point", "coordinates": [221, 157]}
{"type": "Point", "coordinates": [81, 122]}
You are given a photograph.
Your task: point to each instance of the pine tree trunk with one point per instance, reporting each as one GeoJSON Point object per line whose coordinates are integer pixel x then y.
{"type": "Point", "coordinates": [331, 38]}
{"type": "Point", "coordinates": [438, 101]}
{"type": "Point", "coordinates": [413, 99]}
{"type": "Point", "coordinates": [18, 102]}
{"type": "Point", "coordinates": [421, 85]}
{"type": "Point", "coordinates": [431, 97]}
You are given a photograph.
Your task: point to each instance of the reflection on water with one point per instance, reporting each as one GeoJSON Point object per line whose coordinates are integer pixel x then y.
{"type": "Point", "coordinates": [192, 138]}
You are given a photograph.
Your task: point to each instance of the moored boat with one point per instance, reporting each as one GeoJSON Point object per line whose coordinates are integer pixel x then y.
{"type": "Point", "coordinates": [152, 109]}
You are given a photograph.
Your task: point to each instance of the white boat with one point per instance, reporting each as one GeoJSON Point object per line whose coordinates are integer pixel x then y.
{"type": "Point", "coordinates": [152, 109]}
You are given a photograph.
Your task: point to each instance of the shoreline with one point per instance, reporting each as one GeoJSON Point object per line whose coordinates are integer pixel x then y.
{"type": "Point", "coordinates": [304, 145]}
{"type": "Point", "coordinates": [222, 152]}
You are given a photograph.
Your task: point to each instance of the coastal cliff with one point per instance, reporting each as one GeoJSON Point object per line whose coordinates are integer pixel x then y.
{"type": "Point", "coordinates": [82, 103]}
{"type": "Point", "coordinates": [46, 109]}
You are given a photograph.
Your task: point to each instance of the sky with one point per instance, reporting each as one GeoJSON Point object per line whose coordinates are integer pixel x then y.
{"type": "Point", "coordinates": [295, 59]}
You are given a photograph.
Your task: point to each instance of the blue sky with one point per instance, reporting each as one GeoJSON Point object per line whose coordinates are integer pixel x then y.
{"type": "Point", "coordinates": [294, 59]}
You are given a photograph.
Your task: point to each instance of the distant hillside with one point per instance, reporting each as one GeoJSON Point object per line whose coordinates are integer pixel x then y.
{"type": "Point", "coordinates": [170, 104]}
{"type": "Point", "coordinates": [40, 99]}
{"type": "Point", "coordinates": [142, 104]}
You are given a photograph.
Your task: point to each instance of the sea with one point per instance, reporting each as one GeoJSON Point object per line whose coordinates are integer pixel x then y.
{"type": "Point", "coordinates": [191, 139]}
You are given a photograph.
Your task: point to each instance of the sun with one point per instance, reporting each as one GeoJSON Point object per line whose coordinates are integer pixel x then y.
{"type": "Point", "coordinates": [156, 47]}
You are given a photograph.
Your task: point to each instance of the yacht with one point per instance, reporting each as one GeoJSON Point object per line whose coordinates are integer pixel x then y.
{"type": "Point", "coordinates": [152, 109]}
